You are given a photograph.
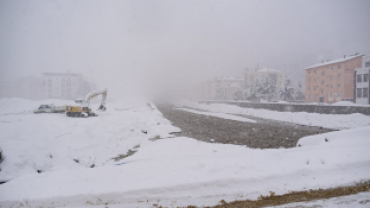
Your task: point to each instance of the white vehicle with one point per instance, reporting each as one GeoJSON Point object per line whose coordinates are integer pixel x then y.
{"type": "Point", "coordinates": [50, 109]}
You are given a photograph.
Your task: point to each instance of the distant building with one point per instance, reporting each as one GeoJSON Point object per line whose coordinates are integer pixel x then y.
{"type": "Point", "coordinates": [332, 81]}
{"type": "Point", "coordinates": [265, 78]}
{"type": "Point", "coordinates": [221, 88]}
{"type": "Point", "coordinates": [362, 84]}
{"type": "Point", "coordinates": [28, 87]}
{"type": "Point", "coordinates": [6, 89]}
{"type": "Point", "coordinates": [65, 85]}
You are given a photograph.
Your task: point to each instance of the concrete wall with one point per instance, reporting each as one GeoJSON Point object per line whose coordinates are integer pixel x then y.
{"type": "Point", "coordinates": [283, 107]}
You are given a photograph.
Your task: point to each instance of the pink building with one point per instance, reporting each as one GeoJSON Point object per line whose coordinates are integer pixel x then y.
{"type": "Point", "coordinates": [332, 81]}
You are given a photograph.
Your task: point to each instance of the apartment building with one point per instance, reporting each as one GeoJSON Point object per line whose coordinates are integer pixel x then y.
{"type": "Point", "coordinates": [276, 77]}
{"type": "Point", "coordinates": [6, 89]}
{"type": "Point", "coordinates": [362, 84]}
{"type": "Point", "coordinates": [29, 87]}
{"type": "Point", "coordinates": [65, 85]}
{"type": "Point", "coordinates": [332, 81]}
{"type": "Point", "coordinates": [265, 77]}
{"type": "Point", "coordinates": [221, 88]}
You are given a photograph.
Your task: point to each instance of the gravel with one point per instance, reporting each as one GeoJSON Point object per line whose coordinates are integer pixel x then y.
{"type": "Point", "coordinates": [262, 134]}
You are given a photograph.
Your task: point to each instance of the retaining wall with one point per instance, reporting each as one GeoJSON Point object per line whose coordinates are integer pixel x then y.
{"type": "Point", "coordinates": [294, 107]}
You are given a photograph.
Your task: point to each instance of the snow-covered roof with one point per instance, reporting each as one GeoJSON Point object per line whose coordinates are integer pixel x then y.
{"type": "Point", "coordinates": [227, 78]}
{"type": "Point", "coordinates": [333, 61]}
{"type": "Point", "coordinates": [268, 70]}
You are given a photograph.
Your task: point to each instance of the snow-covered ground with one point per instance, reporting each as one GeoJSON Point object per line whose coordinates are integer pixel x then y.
{"type": "Point", "coordinates": [170, 172]}
{"type": "Point", "coordinates": [331, 121]}
{"type": "Point", "coordinates": [48, 142]}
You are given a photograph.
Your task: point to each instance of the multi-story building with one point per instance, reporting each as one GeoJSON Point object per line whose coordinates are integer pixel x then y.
{"type": "Point", "coordinates": [28, 87]}
{"type": "Point", "coordinates": [266, 77]}
{"type": "Point", "coordinates": [6, 89]}
{"type": "Point", "coordinates": [221, 88]}
{"type": "Point", "coordinates": [362, 84]}
{"type": "Point", "coordinates": [65, 85]}
{"type": "Point", "coordinates": [332, 81]}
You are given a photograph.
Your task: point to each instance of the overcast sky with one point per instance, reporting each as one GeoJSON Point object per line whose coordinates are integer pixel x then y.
{"type": "Point", "coordinates": [157, 47]}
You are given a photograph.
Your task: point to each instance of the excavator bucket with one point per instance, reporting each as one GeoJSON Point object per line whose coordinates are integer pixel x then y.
{"type": "Point", "coordinates": [102, 108]}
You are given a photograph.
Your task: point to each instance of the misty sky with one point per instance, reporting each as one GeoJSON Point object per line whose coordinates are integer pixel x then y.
{"type": "Point", "coordinates": [157, 47]}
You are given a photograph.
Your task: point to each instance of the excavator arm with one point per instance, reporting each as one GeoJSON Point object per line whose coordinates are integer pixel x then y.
{"type": "Point", "coordinates": [88, 97]}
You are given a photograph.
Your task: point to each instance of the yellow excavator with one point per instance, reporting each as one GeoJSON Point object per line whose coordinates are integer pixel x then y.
{"type": "Point", "coordinates": [84, 110]}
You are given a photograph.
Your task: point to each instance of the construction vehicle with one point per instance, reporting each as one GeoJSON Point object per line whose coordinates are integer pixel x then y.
{"type": "Point", "coordinates": [84, 109]}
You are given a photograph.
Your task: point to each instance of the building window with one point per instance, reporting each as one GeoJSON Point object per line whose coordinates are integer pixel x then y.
{"type": "Point", "coordinates": [359, 78]}
{"type": "Point", "coordinates": [331, 86]}
{"type": "Point", "coordinates": [365, 92]}
{"type": "Point", "coordinates": [309, 79]}
{"type": "Point", "coordinates": [323, 73]}
{"type": "Point", "coordinates": [366, 77]}
{"type": "Point", "coordinates": [359, 92]}
{"type": "Point", "coordinates": [338, 76]}
{"type": "Point", "coordinates": [330, 95]}
{"type": "Point", "coordinates": [338, 96]}
{"type": "Point", "coordinates": [367, 64]}
{"type": "Point", "coordinates": [322, 82]}
{"type": "Point", "coordinates": [308, 97]}
{"type": "Point", "coordinates": [339, 66]}
{"type": "Point", "coordinates": [331, 77]}
{"type": "Point", "coordinates": [322, 91]}
{"type": "Point", "coordinates": [314, 71]}
{"type": "Point", "coordinates": [338, 85]}
{"type": "Point", "coordinates": [331, 67]}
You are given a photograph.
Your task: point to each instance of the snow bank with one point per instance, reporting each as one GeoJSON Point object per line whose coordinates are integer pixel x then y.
{"type": "Point", "coordinates": [219, 115]}
{"type": "Point", "coordinates": [38, 143]}
{"type": "Point", "coordinates": [331, 121]}
{"type": "Point", "coordinates": [177, 172]}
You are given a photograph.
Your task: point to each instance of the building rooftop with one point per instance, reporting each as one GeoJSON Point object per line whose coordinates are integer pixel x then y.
{"type": "Point", "coordinates": [60, 74]}
{"type": "Point", "coordinates": [268, 70]}
{"type": "Point", "coordinates": [228, 78]}
{"type": "Point", "coordinates": [334, 61]}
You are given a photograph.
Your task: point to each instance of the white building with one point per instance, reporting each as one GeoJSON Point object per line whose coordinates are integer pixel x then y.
{"type": "Point", "coordinates": [265, 77]}
{"type": "Point", "coordinates": [6, 89]}
{"type": "Point", "coordinates": [362, 84]}
{"type": "Point", "coordinates": [28, 87]}
{"type": "Point", "coordinates": [276, 77]}
{"type": "Point", "coordinates": [65, 85]}
{"type": "Point", "coordinates": [221, 88]}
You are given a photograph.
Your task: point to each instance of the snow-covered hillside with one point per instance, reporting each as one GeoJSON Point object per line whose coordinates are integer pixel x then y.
{"type": "Point", "coordinates": [35, 143]}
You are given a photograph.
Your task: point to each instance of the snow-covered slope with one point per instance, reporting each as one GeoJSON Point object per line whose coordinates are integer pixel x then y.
{"type": "Point", "coordinates": [34, 143]}
{"type": "Point", "coordinates": [182, 171]}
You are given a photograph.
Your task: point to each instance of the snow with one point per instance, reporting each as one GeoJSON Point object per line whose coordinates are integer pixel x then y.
{"type": "Point", "coordinates": [168, 172]}
{"type": "Point", "coordinates": [360, 200]}
{"type": "Point", "coordinates": [331, 121]}
{"type": "Point", "coordinates": [333, 61]}
{"type": "Point", "coordinates": [268, 70]}
{"type": "Point", "coordinates": [48, 142]}
{"type": "Point", "coordinates": [219, 115]}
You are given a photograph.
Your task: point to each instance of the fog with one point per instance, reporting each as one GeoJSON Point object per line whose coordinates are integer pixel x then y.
{"type": "Point", "coordinates": [159, 48]}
